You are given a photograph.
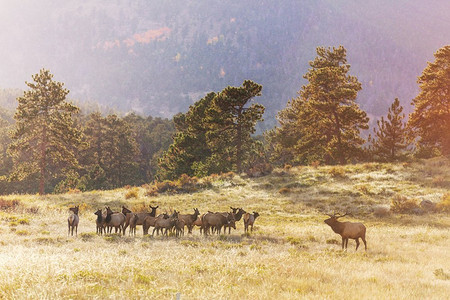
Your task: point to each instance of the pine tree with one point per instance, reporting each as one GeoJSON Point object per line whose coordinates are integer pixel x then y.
{"type": "Point", "coordinates": [45, 138]}
{"type": "Point", "coordinates": [189, 151]}
{"type": "Point", "coordinates": [324, 122]}
{"type": "Point", "coordinates": [111, 159]}
{"type": "Point", "coordinates": [390, 137]}
{"type": "Point", "coordinates": [231, 123]}
{"type": "Point", "coordinates": [430, 120]}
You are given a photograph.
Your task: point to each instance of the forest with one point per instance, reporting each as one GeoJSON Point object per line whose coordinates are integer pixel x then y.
{"type": "Point", "coordinates": [51, 145]}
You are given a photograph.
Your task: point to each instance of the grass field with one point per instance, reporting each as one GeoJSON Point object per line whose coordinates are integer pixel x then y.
{"type": "Point", "coordinates": [291, 253]}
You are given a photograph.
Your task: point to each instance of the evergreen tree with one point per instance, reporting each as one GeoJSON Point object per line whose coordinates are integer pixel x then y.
{"type": "Point", "coordinates": [231, 123]}
{"type": "Point", "coordinates": [189, 151]}
{"type": "Point", "coordinates": [430, 120]}
{"type": "Point", "coordinates": [44, 138]}
{"type": "Point", "coordinates": [324, 122]}
{"type": "Point", "coordinates": [214, 136]}
{"type": "Point", "coordinates": [111, 159]}
{"type": "Point", "coordinates": [390, 136]}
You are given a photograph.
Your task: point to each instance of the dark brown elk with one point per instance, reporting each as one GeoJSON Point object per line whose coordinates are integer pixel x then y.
{"type": "Point", "coordinates": [116, 220]}
{"type": "Point", "coordinates": [199, 223]}
{"type": "Point", "coordinates": [133, 222]}
{"type": "Point", "coordinates": [100, 221]}
{"type": "Point", "coordinates": [150, 221]}
{"type": "Point", "coordinates": [140, 216]}
{"type": "Point", "coordinates": [238, 213]}
{"type": "Point", "coordinates": [179, 227]}
{"type": "Point", "coordinates": [73, 220]}
{"type": "Point", "coordinates": [216, 221]}
{"type": "Point", "coordinates": [249, 220]}
{"type": "Point", "coordinates": [165, 224]}
{"type": "Point", "coordinates": [189, 219]}
{"type": "Point", "coordinates": [347, 230]}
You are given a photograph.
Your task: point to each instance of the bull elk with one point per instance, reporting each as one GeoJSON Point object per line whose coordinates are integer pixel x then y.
{"type": "Point", "coordinates": [347, 230]}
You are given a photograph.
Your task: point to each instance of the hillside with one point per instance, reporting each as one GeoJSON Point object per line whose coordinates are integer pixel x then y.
{"type": "Point", "coordinates": [158, 58]}
{"type": "Point", "coordinates": [290, 254]}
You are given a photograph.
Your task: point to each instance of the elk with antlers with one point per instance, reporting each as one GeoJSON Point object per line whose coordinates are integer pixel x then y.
{"type": "Point", "coordinates": [347, 230]}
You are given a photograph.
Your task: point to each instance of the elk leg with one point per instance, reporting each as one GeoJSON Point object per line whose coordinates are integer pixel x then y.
{"type": "Point", "coordinates": [343, 243]}
{"type": "Point", "coordinates": [365, 244]}
{"type": "Point", "coordinates": [346, 243]}
{"type": "Point", "coordinates": [357, 243]}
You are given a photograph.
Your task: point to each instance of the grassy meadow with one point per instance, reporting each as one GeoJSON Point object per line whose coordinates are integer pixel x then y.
{"type": "Point", "coordinates": [291, 253]}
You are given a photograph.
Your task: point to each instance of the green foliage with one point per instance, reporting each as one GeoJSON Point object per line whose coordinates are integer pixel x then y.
{"type": "Point", "coordinates": [45, 136]}
{"type": "Point", "coordinates": [430, 121]}
{"type": "Point", "coordinates": [111, 158]}
{"type": "Point", "coordinates": [390, 137]}
{"type": "Point", "coordinates": [324, 122]}
{"type": "Point", "coordinates": [214, 136]}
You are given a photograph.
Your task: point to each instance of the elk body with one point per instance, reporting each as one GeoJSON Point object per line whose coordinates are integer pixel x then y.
{"type": "Point", "coordinates": [150, 221]}
{"type": "Point", "coordinates": [216, 221]}
{"type": "Point", "coordinates": [238, 213]}
{"type": "Point", "coordinates": [116, 220]}
{"type": "Point", "coordinates": [189, 219]}
{"type": "Point", "coordinates": [73, 220]}
{"type": "Point", "coordinates": [249, 220]}
{"type": "Point", "coordinates": [165, 224]}
{"type": "Point", "coordinates": [347, 230]}
{"type": "Point", "coordinates": [100, 221]}
{"type": "Point", "coordinates": [140, 216]}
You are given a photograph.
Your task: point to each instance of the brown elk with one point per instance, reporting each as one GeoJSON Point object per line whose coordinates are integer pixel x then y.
{"type": "Point", "coordinates": [73, 220]}
{"type": "Point", "coordinates": [179, 227]}
{"type": "Point", "coordinates": [216, 221]}
{"type": "Point", "coordinates": [199, 223]}
{"type": "Point", "coordinates": [116, 220]}
{"type": "Point", "coordinates": [189, 219]}
{"type": "Point", "coordinates": [166, 224]}
{"type": "Point", "coordinates": [150, 221]}
{"type": "Point", "coordinates": [347, 230]}
{"type": "Point", "coordinates": [140, 216]}
{"type": "Point", "coordinates": [238, 213]}
{"type": "Point", "coordinates": [100, 221]}
{"type": "Point", "coordinates": [249, 220]}
{"type": "Point", "coordinates": [133, 223]}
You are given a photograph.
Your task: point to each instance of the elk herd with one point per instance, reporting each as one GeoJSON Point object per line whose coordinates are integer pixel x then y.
{"type": "Point", "coordinates": [208, 223]}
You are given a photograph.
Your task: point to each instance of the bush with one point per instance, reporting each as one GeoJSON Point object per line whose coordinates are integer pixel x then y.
{"type": "Point", "coordinates": [381, 211]}
{"type": "Point", "coordinates": [444, 205]}
{"type": "Point", "coordinates": [8, 204]}
{"type": "Point", "coordinates": [132, 193]}
{"type": "Point", "coordinates": [337, 172]}
{"type": "Point", "coordinates": [403, 205]}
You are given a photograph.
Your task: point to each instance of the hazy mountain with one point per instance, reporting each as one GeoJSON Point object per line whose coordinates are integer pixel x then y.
{"type": "Point", "coordinates": [158, 57]}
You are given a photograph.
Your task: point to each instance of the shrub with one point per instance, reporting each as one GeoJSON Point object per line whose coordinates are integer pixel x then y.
{"type": "Point", "coordinates": [315, 164]}
{"type": "Point", "coordinates": [444, 205]}
{"type": "Point", "coordinates": [401, 204]}
{"type": "Point", "coordinates": [381, 211]}
{"type": "Point", "coordinates": [8, 204]}
{"type": "Point", "coordinates": [132, 193]}
{"type": "Point", "coordinates": [284, 190]}
{"type": "Point", "coordinates": [337, 172]}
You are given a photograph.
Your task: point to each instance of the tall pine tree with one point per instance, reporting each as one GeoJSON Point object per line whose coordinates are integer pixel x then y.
{"type": "Point", "coordinates": [390, 136]}
{"type": "Point", "coordinates": [430, 120]}
{"type": "Point", "coordinates": [231, 121]}
{"type": "Point", "coordinates": [325, 120]}
{"type": "Point", "coordinates": [45, 137]}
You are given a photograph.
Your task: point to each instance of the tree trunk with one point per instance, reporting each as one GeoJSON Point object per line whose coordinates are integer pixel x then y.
{"type": "Point", "coordinates": [239, 142]}
{"type": "Point", "coordinates": [340, 153]}
{"type": "Point", "coordinates": [43, 161]}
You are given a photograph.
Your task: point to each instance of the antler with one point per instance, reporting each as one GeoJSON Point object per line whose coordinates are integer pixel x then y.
{"type": "Point", "coordinates": [340, 216]}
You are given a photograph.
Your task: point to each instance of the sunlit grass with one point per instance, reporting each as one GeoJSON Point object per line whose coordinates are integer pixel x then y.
{"type": "Point", "coordinates": [291, 253]}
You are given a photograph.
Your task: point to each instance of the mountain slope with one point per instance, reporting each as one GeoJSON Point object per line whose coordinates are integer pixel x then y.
{"type": "Point", "coordinates": [159, 57]}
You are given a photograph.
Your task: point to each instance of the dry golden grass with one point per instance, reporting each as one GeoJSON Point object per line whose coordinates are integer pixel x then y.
{"type": "Point", "coordinates": [291, 254]}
